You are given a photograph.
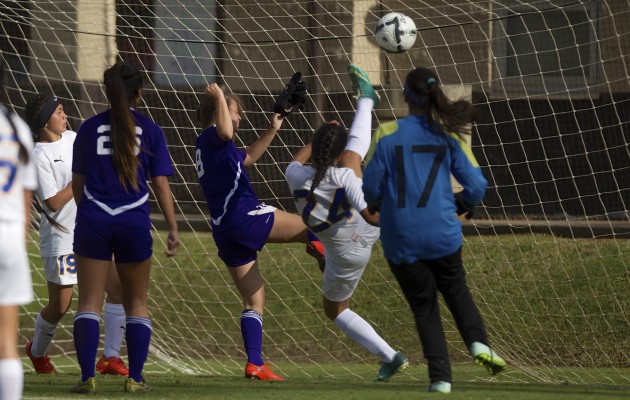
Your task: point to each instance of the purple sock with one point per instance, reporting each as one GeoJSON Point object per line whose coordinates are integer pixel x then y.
{"type": "Point", "coordinates": [251, 329]}
{"type": "Point", "coordinates": [86, 336]}
{"type": "Point", "coordinates": [138, 337]}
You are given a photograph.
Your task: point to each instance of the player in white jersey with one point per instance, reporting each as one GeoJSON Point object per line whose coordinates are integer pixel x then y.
{"type": "Point", "coordinates": [52, 157]}
{"type": "Point", "coordinates": [17, 180]}
{"type": "Point", "coordinates": [329, 197]}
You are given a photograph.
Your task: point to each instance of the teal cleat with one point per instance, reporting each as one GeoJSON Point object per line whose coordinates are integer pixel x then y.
{"type": "Point", "coordinates": [87, 387]}
{"type": "Point", "coordinates": [484, 355]}
{"type": "Point", "coordinates": [398, 364]}
{"type": "Point", "coordinates": [361, 86]}
{"type": "Point", "coordinates": [440, 387]}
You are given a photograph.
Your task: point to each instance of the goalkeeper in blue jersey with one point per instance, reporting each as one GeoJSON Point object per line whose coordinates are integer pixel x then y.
{"type": "Point", "coordinates": [408, 179]}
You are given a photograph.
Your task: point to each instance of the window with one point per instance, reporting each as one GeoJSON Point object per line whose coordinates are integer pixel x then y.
{"type": "Point", "coordinates": [545, 47]}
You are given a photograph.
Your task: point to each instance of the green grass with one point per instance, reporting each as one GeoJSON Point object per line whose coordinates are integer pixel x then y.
{"type": "Point", "coordinates": [237, 388]}
{"type": "Point", "coordinates": [556, 309]}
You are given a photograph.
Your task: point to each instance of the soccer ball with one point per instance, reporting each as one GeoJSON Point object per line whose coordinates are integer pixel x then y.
{"type": "Point", "coordinates": [395, 32]}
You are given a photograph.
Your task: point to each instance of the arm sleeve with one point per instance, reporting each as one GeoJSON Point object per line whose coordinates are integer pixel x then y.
{"type": "Point", "coordinates": [29, 178]}
{"type": "Point", "coordinates": [78, 153]}
{"type": "Point", "coordinates": [296, 175]}
{"type": "Point", "coordinates": [466, 170]}
{"type": "Point", "coordinates": [373, 178]}
{"type": "Point", "coordinates": [161, 160]}
{"type": "Point", "coordinates": [46, 184]}
{"type": "Point", "coordinates": [354, 191]}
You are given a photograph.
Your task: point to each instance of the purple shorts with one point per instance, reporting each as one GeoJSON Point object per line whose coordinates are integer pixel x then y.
{"type": "Point", "coordinates": [97, 240]}
{"type": "Point", "coordinates": [240, 245]}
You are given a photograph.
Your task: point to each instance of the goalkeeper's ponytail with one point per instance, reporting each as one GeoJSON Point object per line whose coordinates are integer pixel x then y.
{"type": "Point", "coordinates": [329, 142]}
{"type": "Point", "coordinates": [423, 89]}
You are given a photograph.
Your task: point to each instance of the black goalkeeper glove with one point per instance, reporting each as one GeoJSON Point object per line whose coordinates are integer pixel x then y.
{"type": "Point", "coordinates": [463, 208]}
{"type": "Point", "coordinates": [292, 97]}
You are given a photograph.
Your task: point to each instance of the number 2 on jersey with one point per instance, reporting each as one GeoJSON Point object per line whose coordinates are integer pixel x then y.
{"type": "Point", "coordinates": [440, 152]}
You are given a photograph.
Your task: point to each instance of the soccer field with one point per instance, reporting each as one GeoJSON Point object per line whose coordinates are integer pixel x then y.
{"type": "Point", "coordinates": [550, 317]}
{"type": "Point", "coordinates": [403, 387]}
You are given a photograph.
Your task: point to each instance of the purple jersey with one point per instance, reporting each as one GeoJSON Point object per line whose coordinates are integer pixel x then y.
{"type": "Point", "coordinates": [224, 181]}
{"type": "Point", "coordinates": [104, 198]}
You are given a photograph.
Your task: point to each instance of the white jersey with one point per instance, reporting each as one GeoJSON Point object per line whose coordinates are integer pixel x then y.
{"type": "Point", "coordinates": [348, 239]}
{"type": "Point", "coordinates": [335, 217]}
{"type": "Point", "coordinates": [15, 176]}
{"type": "Point", "coordinates": [53, 163]}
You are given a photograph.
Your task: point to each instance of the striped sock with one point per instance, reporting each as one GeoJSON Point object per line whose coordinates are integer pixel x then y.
{"type": "Point", "coordinates": [251, 329]}
{"type": "Point", "coordinates": [138, 336]}
{"type": "Point", "coordinates": [86, 336]}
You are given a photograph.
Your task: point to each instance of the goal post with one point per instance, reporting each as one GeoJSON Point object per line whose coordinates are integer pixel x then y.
{"type": "Point", "coordinates": [551, 79]}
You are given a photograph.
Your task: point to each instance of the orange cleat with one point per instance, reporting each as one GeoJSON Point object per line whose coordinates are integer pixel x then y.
{"type": "Point", "coordinates": [42, 364]}
{"type": "Point", "coordinates": [112, 366]}
{"type": "Point", "coordinates": [315, 249]}
{"type": "Point", "coordinates": [262, 373]}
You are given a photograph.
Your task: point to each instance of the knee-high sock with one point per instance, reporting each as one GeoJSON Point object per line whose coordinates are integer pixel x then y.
{"type": "Point", "coordinates": [359, 330]}
{"type": "Point", "coordinates": [138, 336]}
{"type": "Point", "coordinates": [86, 336]}
{"type": "Point", "coordinates": [251, 329]}
{"type": "Point", "coordinates": [11, 379]}
{"type": "Point", "coordinates": [360, 134]}
{"type": "Point", "coordinates": [44, 333]}
{"type": "Point", "coordinates": [114, 316]}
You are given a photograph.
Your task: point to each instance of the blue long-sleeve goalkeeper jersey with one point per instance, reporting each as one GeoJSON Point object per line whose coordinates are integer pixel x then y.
{"type": "Point", "coordinates": [408, 178]}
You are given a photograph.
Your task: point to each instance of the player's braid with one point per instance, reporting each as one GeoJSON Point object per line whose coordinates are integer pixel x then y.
{"type": "Point", "coordinates": [328, 143]}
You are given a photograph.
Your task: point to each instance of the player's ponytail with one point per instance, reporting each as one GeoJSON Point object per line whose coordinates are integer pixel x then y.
{"type": "Point", "coordinates": [328, 143]}
{"type": "Point", "coordinates": [122, 86]}
{"type": "Point", "coordinates": [423, 89]}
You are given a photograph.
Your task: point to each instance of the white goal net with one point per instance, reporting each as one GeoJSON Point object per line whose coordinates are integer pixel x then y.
{"type": "Point", "coordinates": [548, 255]}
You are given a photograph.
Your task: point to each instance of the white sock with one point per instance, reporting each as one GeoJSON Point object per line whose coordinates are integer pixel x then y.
{"type": "Point", "coordinates": [359, 330]}
{"type": "Point", "coordinates": [114, 316]}
{"type": "Point", "coordinates": [44, 333]}
{"type": "Point", "coordinates": [360, 134]}
{"type": "Point", "coordinates": [11, 379]}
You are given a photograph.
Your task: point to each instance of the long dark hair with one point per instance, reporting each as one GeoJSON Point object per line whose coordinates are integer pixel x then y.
{"type": "Point", "coordinates": [328, 143]}
{"type": "Point", "coordinates": [122, 85]}
{"type": "Point", "coordinates": [422, 88]}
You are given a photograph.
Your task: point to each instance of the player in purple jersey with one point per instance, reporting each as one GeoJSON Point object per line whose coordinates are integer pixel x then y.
{"type": "Point", "coordinates": [241, 224]}
{"type": "Point", "coordinates": [52, 156]}
{"type": "Point", "coordinates": [409, 180]}
{"type": "Point", "coordinates": [115, 153]}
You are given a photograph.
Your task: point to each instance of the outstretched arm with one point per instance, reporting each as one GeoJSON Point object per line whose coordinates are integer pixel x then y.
{"type": "Point", "coordinates": [303, 154]}
{"type": "Point", "coordinates": [258, 148]}
{"type": "Point", "coordinates": [225, 127]}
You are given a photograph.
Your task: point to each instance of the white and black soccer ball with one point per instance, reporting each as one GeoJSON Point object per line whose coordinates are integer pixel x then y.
{"type": "Point", "coordinates": [395, 32]}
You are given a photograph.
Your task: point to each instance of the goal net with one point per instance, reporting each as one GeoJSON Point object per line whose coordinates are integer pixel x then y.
{"type": "Point", "coordinates": [547, 255]}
